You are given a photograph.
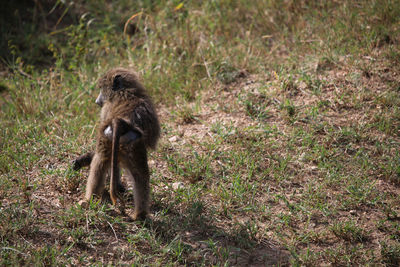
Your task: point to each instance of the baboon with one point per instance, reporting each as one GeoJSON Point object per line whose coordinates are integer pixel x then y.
{"type": "Point", "coordinates": [128, 127]}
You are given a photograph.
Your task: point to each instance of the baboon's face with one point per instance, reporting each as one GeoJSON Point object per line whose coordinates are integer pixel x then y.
{"type": "Point", "coordinates": [114, 82]}
{"type": "Point", "coordinates": [100, 100]}
{"type": "Point", "coordinates": [106, 93]}
{"type": "Point", "coordinates": [109, 85]}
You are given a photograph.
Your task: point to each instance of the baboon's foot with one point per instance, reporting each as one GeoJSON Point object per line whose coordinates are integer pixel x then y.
{"type": "Point", "coordinates": [139, 216]}
{"type": "Point", "coordinates": [83, 203]}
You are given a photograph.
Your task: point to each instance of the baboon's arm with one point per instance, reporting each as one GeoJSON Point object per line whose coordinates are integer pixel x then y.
{"type": "Point", "coordinates": [82, 161]}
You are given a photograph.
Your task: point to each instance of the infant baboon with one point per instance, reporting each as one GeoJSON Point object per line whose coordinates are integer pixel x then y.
{"type": "Point", "coordinates": [128, 126]}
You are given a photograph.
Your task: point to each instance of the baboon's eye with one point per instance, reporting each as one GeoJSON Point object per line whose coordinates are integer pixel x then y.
{"type": "Point", "coordinates": [117, 83]}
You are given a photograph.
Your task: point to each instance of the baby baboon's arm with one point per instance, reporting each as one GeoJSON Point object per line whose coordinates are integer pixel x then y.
{"type": "Point", "coordinates": [82, 161]}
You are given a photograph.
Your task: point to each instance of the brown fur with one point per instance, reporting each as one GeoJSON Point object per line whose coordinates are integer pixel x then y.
{"type": "Point", "coordinates": [129, 110]}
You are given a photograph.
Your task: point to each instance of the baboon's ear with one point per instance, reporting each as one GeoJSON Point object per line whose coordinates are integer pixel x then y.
{"type": "Point", "coordinates": [117, 83]}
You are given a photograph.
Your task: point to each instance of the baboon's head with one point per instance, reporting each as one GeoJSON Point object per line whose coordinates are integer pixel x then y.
{"type": "Point", "coordinates": [118, 82]}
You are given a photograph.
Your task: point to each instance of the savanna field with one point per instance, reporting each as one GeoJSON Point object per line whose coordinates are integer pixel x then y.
{"type": "Point", "coordinates": [280, 141]}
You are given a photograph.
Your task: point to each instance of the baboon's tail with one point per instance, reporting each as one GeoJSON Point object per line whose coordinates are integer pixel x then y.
{"type": "Point", "coordinates": [114, 160]}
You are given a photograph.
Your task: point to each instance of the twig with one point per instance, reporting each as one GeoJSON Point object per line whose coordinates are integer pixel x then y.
{"type": "Point", "coordinates": [87, 223]}
{"type": "Point", "coordinates": [113, 230]}
{"type": "Point", "coordinates": [206, 66]}
{"type": "Point", "coordinates": [129, 20]}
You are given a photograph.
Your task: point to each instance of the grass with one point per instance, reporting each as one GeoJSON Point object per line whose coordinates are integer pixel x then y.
{"type": "Point", "coordinates": [280, 132]}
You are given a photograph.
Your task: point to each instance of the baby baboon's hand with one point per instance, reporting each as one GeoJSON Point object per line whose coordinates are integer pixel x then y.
{"type": "Point", "coordinates": [82, 161]}
{"type": "Point", "coordinates": [76, 166]}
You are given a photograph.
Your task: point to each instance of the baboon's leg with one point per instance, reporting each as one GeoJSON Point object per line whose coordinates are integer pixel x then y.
{"type": "Point", "coordinates": [141, 193]}
{"type": "Point", "coordinates": [138, 171]}
{"type": "Point", "coordinates": [98, 170]}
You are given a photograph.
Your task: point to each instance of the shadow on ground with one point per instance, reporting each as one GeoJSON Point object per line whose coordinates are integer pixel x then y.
{"type": "Point", "coordinates": [201, 235]}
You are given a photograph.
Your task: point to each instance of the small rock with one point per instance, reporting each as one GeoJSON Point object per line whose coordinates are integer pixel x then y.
{"type": "Point", "coordinates": [173, 139]}
{"type": "Point", "coordinates": [177, 185]}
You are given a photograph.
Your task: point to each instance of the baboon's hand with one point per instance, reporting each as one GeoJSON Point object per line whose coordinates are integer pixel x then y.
{"type": "Point", "coordinates": [129, 137]}
{"type": "Point", "coordinates": [108, 133]}
{"type": "Point", "coordinates": [76, 166]}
